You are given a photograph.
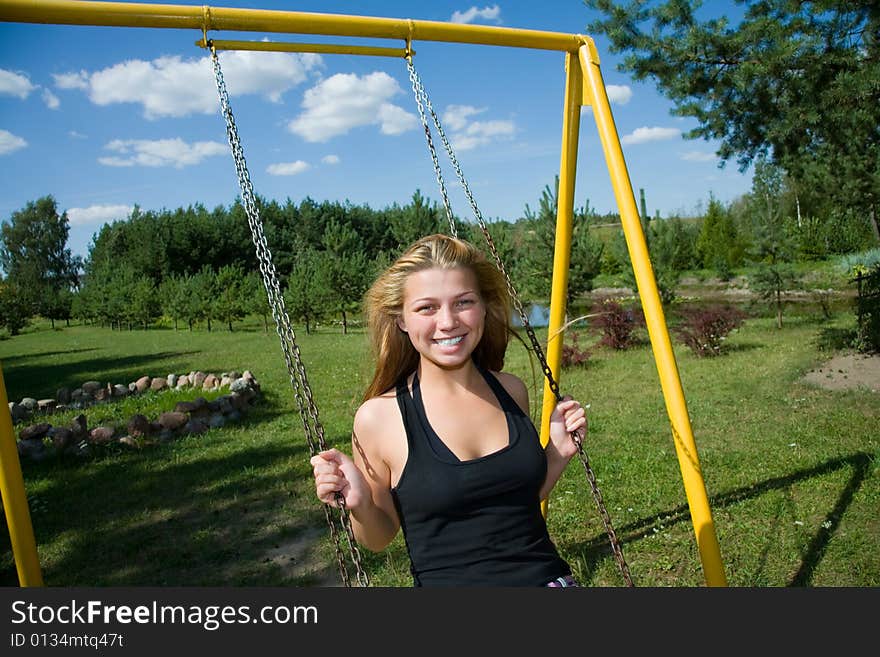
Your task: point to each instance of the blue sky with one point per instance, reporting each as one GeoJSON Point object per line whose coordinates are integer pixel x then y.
{"type": "Point", "coordinates": [104, 118]}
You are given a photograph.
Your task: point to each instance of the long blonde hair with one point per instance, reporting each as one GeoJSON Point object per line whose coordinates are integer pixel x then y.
{"type": "Point", "coordinates": [393, 352]}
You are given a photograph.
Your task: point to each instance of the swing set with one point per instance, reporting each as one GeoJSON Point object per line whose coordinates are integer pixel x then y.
{"type": "Point", "coordinates": [584, 87]}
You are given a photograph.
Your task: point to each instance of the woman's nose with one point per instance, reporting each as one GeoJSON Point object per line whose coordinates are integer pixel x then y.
{"type": "Point", "coordinates": [447, 318]}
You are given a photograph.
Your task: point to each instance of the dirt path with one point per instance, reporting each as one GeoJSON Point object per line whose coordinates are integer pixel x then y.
{"type": "Point", "coordinates": [847, 372]}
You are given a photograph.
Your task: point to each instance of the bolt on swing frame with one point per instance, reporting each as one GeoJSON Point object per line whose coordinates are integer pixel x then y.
{"type": "Point", "coordinates": [584, 87]}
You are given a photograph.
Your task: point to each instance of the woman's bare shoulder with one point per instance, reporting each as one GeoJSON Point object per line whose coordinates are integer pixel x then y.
{"type": "Point", "coordinates": [515, 388]}
{"type": "Point", "coordinates": [373, 417]}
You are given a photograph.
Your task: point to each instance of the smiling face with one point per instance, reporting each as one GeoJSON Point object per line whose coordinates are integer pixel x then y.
{"type": "Point", "coordinates": [443, 314]}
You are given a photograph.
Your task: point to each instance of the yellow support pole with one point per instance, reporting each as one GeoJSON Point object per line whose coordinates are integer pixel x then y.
{"type": "Point", "coordinates": [685, 447]}
{"type": "Point", "coordinates": [562, 244]}
{"type": "Point", "coordinates": [18, 516]}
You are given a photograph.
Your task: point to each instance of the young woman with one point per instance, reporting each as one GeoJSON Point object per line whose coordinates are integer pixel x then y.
{"type": "Point", "coordinates": [443, 444]}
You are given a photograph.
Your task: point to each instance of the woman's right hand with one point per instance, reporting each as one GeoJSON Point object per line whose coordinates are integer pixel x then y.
{"type": "Point", "coordinates": [335, 472]}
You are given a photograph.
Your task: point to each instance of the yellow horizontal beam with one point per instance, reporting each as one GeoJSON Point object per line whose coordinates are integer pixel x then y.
{"type": "Point", "coordinates": [328, 48]}
{"type": "Point", "coordinates": [205, 17]}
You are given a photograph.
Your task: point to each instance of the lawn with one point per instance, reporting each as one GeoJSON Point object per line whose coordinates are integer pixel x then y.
{"type": "Point", "coordinates": [790, 468]}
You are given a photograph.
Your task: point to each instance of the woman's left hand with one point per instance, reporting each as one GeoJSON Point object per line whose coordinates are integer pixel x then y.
{"type": "Point", "coordinates": [568, 417]}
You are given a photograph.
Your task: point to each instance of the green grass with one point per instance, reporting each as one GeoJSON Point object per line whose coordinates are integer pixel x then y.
{"type": "Point", "coordinates": [790, 469]}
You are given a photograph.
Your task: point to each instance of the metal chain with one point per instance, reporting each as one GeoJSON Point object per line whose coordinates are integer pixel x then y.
{"type": "Point", "coordinates": [419, 93]}
{"type": "Point", "coordinates": [422, 97]}
{"type": "Point", "coordinates": [302, 391]}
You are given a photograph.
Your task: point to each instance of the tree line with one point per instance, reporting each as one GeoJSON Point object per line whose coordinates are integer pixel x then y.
{"type": "Point", "coordinates": [196, 267]}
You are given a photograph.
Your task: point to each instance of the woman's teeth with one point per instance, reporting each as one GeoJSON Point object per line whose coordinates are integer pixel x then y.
{"type": "Point", "coordinates": [450, 341]}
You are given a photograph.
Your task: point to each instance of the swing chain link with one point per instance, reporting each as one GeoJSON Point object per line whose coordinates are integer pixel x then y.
{"type": "Point", "coordinates": [308, 410]}
{"type": "Point", "coordinates": [419, 94]}
{"type": "Point", "coordinates": [422, 97]}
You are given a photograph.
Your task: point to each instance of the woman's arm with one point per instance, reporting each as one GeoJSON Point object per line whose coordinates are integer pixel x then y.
{"type": "Point", "coordinates": [364, 482]}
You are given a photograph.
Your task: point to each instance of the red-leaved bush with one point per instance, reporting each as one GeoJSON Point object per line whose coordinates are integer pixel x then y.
{"type": "Point", "coordinates": [573, 355]}
{"type": "Point", "coordinates": [705, 329]}
{"type": "Point", "coordinates": [616, 323]}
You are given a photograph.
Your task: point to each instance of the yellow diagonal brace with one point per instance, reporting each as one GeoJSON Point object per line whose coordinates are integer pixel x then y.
{"type": "Point", "coordinates": [18, 516]}
{"type": "Point", "coordinates": [685, 447]}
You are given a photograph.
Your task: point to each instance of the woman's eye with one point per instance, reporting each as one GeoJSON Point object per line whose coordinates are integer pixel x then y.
{"type": "Point", "coordinates": [465, 302]}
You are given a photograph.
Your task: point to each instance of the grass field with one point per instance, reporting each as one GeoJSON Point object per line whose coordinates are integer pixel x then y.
{"type": "Point", "coordinates": [791, 469]}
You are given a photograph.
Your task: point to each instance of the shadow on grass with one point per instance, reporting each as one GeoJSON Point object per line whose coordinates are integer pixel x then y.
{"type": "Point", "coordinates": [43, 354]}
{"type": "Point", "coordinates": [219, 509]}
{"type": "Point", "coordinates": [168, 516]}
{"type": "Point", "coordinates": [598, 549]}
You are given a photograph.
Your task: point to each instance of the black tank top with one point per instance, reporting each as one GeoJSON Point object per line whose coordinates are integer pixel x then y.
{"type": "Point", "coordinates": [475, 522]}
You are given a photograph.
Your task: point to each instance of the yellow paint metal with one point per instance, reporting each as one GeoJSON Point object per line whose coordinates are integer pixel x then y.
{"type": "Point", "coordinates": [129, 14]}
{"type": "Point", "coordinates": [685, 447]}
{"type": "Point", "coordinates": [18, 516]}
{"type": "Point", "coordinates": [328, 48]}
{"type": "Point", "coordinates": [562, 244]}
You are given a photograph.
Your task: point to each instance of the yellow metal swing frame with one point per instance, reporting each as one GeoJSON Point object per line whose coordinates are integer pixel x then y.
{"type": "Point", "coordinates": [584, 87]}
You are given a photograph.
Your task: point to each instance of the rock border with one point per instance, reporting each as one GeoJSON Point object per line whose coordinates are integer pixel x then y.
{"type": "Point", "coordinates": [40, 441]}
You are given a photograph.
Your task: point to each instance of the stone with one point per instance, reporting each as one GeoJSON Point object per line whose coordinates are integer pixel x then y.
{"type": "Point", "coordinates": [172, 420]}
{"type": "Point", "coordinates": [138, 426]}
{"type": "Point", "coordinates": [183, 381]}
{"type": "Point", "coordinates": [91, 387]}
{"type": "Point", "coordinates": [128, 441]}
{"type": "Point", "coordinates": [143, 383]}
{"type": "Point", "coordinates": [210, 382]}
{"type": "Point", "coordinates": [172, 380]}
{"type": "Point", "coordinates": [158, 384]}
{"type": "Point", "coordinates": [101, 435]}
{"type": "Point", "coordinates": [239, 385]}
{"type": "Point", "coordinates": [79, 428]}
{"type": "Point", "coordinates": [33, 449]}
{"type": "Point", "coordinates": [18, 412]}
{"type": "Point", "coordinates": [62, 438]}
{"type": "Point", "coordinates": [46, 405]}
{"type": "Point", "coordinates": [34, 431]}
{"type": "Point", "coordinates": [185, 406]}
{"type": "Point", "coordinates": [63, 395]}
{"type": "Point", "coordinates": [29, 403]}
{"type": "Point", "coordinates": [196, 426]}
{"type": "Point", "coordinates": [120, 390]}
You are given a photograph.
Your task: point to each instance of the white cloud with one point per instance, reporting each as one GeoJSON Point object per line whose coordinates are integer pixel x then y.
{"type": "Point", "coordinates": [330, 159]}
{"type": "Point", "coordinates": [51, 99]}
{"type": "Point", "coordinates": [619, 94]}
{"type": "Point", "coordinates": [645, 134]}
{"type": "Point", "coordinates": [10, 143]}
{"type": "Point", "coordinates": [13, 84]}
{"type": "Point", "coordinates": [492, 13]}
{"type": "Point", "coordinates": [72, 80]}
{"type": "Point", "coordinates": [172, 86]}
{"type": "Point", "coordinates": [77, 135]}
{"type": "Point", "coordinates": [98, 214]}
{"type": "Point", "coordinates": [160, 153]}
{"type": "Point", "coordinates": [345, 101]}
{"type": "Point", "coordinates": [698, 156]}
{"type": "Point", "coordinates": [288, 168]}
{"type": "Point", "coordinates": [456, 116]}
{"type": "Point", "coordinates": [481, 133]}
{"type": "Point", "coordinates": [467, 134]}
